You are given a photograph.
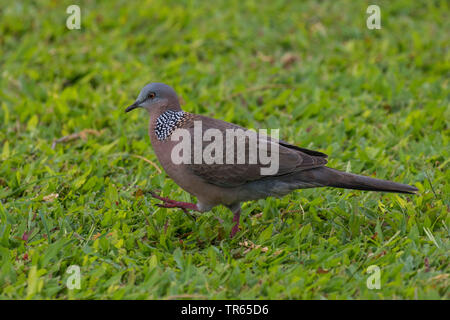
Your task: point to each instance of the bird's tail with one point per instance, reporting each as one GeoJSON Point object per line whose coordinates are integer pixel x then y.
{"type": "Point", "coordinates": [334, 178]}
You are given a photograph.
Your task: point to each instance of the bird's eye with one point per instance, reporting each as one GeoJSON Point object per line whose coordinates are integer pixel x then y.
{"type": "Point", "coordinates": [151, 95]}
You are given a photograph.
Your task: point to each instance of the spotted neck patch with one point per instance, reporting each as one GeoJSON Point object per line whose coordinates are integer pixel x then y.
{"type": "Point", "coordinates": [168, 122]}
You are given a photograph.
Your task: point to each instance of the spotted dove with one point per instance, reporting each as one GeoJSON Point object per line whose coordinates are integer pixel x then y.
{"type": "Point", "coordinates": [230, 184]}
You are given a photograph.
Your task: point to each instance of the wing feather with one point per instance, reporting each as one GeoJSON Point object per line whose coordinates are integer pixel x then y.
{"type": "Point", "coordinates": [290, 158]}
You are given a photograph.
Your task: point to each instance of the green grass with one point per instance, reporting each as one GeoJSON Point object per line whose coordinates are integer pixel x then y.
{"type": "Point", "coordinates": [376, 101]}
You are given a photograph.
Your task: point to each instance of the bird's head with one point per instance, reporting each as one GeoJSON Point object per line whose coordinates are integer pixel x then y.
{"type": "Point", "coordinates": [156, 97]}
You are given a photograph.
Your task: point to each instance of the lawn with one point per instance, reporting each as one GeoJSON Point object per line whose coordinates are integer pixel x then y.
{"type": "Point", "coordinates": [375, 101]}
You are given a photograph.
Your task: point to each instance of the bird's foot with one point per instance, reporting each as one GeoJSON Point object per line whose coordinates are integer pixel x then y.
{"type": "Point", "coordinates": [169, 203]}
{"type": "Point", "coordinates": [235, 228]}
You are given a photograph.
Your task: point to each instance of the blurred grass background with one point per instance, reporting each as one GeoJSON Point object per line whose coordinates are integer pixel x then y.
{"type": "Point", "coordinates": [376, 101]}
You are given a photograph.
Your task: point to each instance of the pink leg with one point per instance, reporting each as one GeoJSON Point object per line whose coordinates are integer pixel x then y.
{"type": "Point", "coordinates": [169, 203]}
{"type": "Point", "coordinates": [236, 218]}
{"type": "Point", "coordinates": [179, 204]}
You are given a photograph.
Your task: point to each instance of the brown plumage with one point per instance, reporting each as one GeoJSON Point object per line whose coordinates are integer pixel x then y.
{"type": "Point", "coordinates": [231, 184]}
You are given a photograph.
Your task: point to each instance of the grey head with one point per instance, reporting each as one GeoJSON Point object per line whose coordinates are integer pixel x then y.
{"type": "Point", "coordinates": [156, 96]}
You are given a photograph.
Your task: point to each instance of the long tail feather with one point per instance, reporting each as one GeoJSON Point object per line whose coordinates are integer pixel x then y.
{"type": "Point", "coordinates": [338, 179]}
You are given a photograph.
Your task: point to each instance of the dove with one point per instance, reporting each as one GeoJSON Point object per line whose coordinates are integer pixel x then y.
{"type": "Point", "coordinates": [222, 179]}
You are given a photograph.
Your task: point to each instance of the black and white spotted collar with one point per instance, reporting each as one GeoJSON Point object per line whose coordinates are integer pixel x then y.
{"type": "Point", "coordinates": [167, 123]}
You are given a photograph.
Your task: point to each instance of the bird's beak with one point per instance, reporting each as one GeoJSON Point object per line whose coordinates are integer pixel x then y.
{"type": "Point", "coordinates": [133, 106]}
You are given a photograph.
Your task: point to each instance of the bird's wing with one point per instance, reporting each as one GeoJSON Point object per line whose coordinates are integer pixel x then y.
{"type": "Point", "coordinates": [290, 158]}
